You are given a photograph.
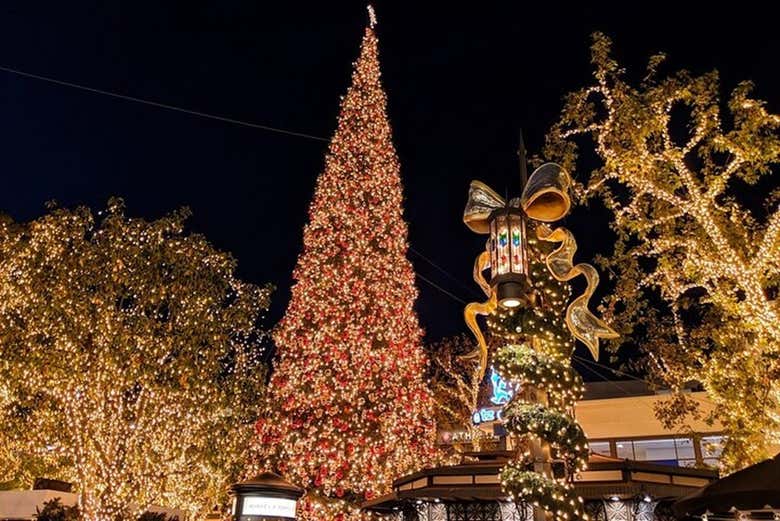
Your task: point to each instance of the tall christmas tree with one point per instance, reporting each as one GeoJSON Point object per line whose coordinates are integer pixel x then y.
{"type": "Point", "coordinates": [348, 409]}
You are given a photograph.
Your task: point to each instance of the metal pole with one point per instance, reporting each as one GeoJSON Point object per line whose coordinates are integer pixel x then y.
{"type": "Point", "coordinates": [540, 450]}
{"type": "Point", "coordinates": [523, 162]}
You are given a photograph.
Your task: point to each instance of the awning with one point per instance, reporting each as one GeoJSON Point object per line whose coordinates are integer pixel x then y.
{"type": "Point", "coordinates": [753, 488]}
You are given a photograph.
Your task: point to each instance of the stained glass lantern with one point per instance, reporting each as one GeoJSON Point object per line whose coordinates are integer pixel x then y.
{"type": "Point", "coordinates": [509, 257]}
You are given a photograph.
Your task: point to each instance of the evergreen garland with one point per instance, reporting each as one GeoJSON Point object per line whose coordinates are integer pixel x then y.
{"type": "Point", "coordinates": [555, 497]}
{"type": "Point", "coordinates": [559, 430]}
{"type": "Point", "coordinates": [522, 366]}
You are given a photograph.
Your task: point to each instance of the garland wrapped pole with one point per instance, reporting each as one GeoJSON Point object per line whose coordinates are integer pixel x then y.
{"type": "Point", "coordinates": [528, 307]}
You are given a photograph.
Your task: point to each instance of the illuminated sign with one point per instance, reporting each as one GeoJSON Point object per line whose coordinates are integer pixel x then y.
{"type": "Point", "coordinates": [471, 435]}
{"type": "Point", "coordinates": [268, 507]}
{"type": "Point", "coordinates": [486, 414]}
{"type": "Point", "coordinates": [501, 394]}
{"type": "Point", "coordinates": [502, 391]}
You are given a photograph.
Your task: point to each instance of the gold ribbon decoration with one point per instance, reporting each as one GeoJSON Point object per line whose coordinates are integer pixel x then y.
{"type": "Point", "coordinates": [545, 198]}
{"type": "Point", "coordinates": [473, 309]}
{"type": "Point", "coordinates": [583, 324]}
{"type": "Point", "coordinates": [482, 201]}
{"type": "Point", "coordinates": [546, 194]}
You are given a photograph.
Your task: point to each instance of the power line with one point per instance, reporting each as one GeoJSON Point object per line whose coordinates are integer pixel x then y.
{"type": "Point", "coordinates": [445, 272]}
{"type": "Point", "coordinates": [601, 375]}
{"type": "Point", "coordinates": [442, 289]}
{"type": "Point", "coordinates": [289, 133]}
{"type": "Point", "coordinates": [616, 371]}
{"type": "Point", "coordinates": [224, 120]}
{"type": "Point", "coordinates": [161, 105]}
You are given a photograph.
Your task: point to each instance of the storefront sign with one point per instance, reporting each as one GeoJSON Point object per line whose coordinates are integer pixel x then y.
{"type": "Point", "coordinates": [255, 506]}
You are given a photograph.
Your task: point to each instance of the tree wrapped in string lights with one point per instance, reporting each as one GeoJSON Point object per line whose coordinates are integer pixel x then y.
{"type": "Point", "coordinates": [348, 409]}
{"type": "Point", "coordinates": [689, 235]}
{"type": "Point", "coordinates": [129, 358]}
{"type": "Point", "coordinates": [529, 309]}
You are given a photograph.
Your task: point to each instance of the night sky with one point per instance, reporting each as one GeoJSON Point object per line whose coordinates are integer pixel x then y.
{"type": "Point", "coordinates": [461, 82]}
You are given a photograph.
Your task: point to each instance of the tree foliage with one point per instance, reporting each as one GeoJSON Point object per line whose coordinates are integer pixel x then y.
{"type": "Point", "coordinates": [54, 510]}
{"type": "Point", "coordinates": [696, 262]}
{"type": "Point", "coordinates": [129, 359]}
{"type": "Point", "coordinates": [454, 381]}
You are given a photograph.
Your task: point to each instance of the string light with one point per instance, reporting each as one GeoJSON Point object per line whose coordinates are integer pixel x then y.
{"type": "Point", "coordinates": [454, 381]}
{"type": "Point", "coordinates": [348, 409]}
{"type": "Point", "coordinates": [129, 360]}
{"type": "Point", "coordinates": [534, 356]}
{"type": "Point", "coordinates": [682, 234]}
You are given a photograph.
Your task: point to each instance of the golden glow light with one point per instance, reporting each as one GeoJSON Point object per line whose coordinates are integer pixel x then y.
{"type": "Point", "coordinates": [129, 359]}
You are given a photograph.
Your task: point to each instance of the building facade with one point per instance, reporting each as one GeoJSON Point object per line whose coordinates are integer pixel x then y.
{"type": "Point", "coordinates": [637, 468]}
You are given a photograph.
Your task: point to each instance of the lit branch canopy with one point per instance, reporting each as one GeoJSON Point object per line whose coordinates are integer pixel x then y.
{"type": "Point", "coordinates": [129, 359]}
{"type": "Point", "coordinates": [686, 234]}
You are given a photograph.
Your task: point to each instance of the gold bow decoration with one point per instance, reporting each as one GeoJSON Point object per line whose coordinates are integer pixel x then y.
{"type": "Point", "coordinates": [583, 324]}
{"type": "Point", "coordinates": [546, 199]}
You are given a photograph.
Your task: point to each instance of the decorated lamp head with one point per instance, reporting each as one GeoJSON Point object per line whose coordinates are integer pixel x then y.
{"type": "Point", "coordinates": [509, 258]}
{"type": "Point", "coordinates": [545, 199]}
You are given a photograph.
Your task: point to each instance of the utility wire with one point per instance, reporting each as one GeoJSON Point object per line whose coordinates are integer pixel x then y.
{"type": "Point", "coordinates": [445, 272]}
{"type": "Point", "coordinates": [602, 376]}
{"type": "Point", "coordinates": [224, 120]}
{"type": "Point", "coordinates": [295, 134]}
{"type": "Point", "coordinates": [160, 105]}
{"type": "Point", "coordinates": [616, 371]}
{"type": "Point", "coordinates": [582, 360]}
{"type": "Point", "coordinates": [441, 289]}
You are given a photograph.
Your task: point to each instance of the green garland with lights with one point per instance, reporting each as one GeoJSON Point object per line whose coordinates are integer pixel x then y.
{"type": "Point", "coordinates": [536, 356]}
{"type": "Point", "coordinates": [524, 366]}
{"type": "Point", "coordinates": [531, 487]}
{"type": "Point", "coordinates": [558, 429]}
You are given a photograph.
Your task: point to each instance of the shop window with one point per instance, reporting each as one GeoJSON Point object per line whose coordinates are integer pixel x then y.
{"type": "Point", "coordinates": [625, 449]}
{"type": "Point", "coordinates": [712, 447]}
{"type": "Point", "coordinates": [600, 447]}
{"type": "Point", "coordinates": [686, 455]}
{"type": "Point", "coordinates": [658, 451]}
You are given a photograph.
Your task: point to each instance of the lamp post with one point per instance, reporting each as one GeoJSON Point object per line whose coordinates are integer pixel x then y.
{"type": "Point", "coordinates": [267, 497]}
{"type": "Point", "coordinates": [508, 247]}
{"type": "Point", "coordinates": [509, 257]}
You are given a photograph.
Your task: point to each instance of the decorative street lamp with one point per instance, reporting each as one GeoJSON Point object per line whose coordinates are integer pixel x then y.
{"type": "Point", "coordinates": [267, 497]}
{"type": "Point", "coordinates": [544, 200]}
{"type": "Point", "coordinates": [509, 257]}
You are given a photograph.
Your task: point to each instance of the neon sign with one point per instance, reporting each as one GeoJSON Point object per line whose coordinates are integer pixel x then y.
{"type": "Point", "coordinates": [501, 394]}
{"type": "Point", "coordinates": [502, 391]}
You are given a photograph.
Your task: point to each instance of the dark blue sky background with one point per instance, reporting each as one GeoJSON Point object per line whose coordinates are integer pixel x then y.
{"type": "Point", "coordinates": [461, 81]}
